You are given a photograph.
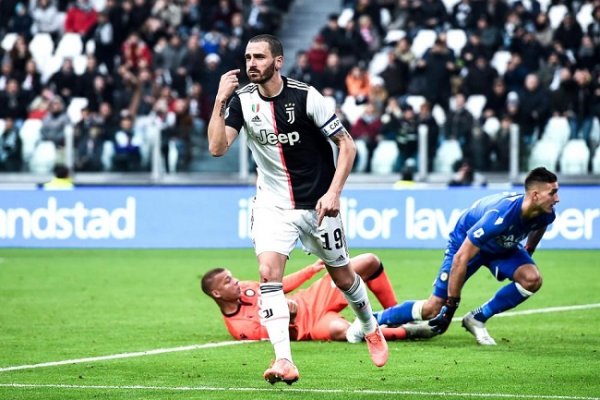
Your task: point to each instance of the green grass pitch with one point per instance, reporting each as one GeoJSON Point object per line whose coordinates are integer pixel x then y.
{"type": "Point", "coordinates": [84, 305]}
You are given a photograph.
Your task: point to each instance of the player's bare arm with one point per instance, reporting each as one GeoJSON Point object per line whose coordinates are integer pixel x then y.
{"type": "Point", "coordinates": [458, 271]}
{"type": "Point", "coordinates": [533, 239]}
{"type": "Point", "coordinates": [329, 204]}
{"type": "Point", "coordinates": [220, 137]}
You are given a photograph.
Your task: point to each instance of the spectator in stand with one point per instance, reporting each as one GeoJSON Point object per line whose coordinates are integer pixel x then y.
{"type": "Point", "coordinates": [80, 18]}
{"type": "Point", "coordinates": [515, 73]}
{"type": "Point", "coordinates": [301, 70]}
{"type": "Point", "coordinates": [372, 10]}
{"type": "Point", "coordinates": [562, 99]}
{"type": "Point", "coordinates": [46, 19]}
{"type": "Point", "coordinates": [582, 119]}
{"type": "Point", "coordinates": [127, 156]}
{"type": "Point", "coordinates": [534, 109]}
{"type": "Point", "coordinates": [54, 125]}
{"type": "Point", "coordinates": [460, 123]}
{"type": "Point", "coordinates": [7, 10]}
{"type": "Point", "coordinates": [433, 14]}
{"type": "Point", "coordinates": [543, 31]}
{"type": "Point", "coordinates": [19, 55]}
{"type": "Point", "coordinates": [119, 16]}
{"type": "Point", "coordinates": [31, 83]}
{"type": "Point", "coordinates": [529, 48]}
{"type": "Point", "coordinates": [464, 16]}
{"type": "Point", "coordinates": [212, 75]}
{"type": "Point", "coordinates": [370, 35]}
{"type": "Point", "coordinates": [167, 11]}
{"type": "Point", "coordinates": [395, 75]}
{"type": "Point", "coordinates": [593, 29]}
{"type": "Point", "coordinates": [367, 127]}
{"type": "Point", "coordinates": [134, 51]}
{"type": "Point", "coordinates": [495, 102]}
{"type": "Point", "coordinates": [352, 47]}
{"type": "Point", "coordinates": [107, 121]}
{"type": "Point", "coordinates": [101, 93]}
{"type": "Point", "coordinates": [404, 54]}
{"type": "Point", "coordinates": [473, 49]}
{"type": "Point", "coordinates": [480, 77]}
{"type": "Point", "coordinates": [88, 156]}
{"type": "Point", "coordinates": [332, 33]}
{"type": "Point", "coordinates": [139, 13]}
{"type": "Point", "coordinates": [588, 56]}
{"type": "Point", "coordinates": [358, 83]}
{"type": "Point", "coordinates": [21, 21]}
{"type": "Point", "coordinates": [64, 82]}
{"type": "Point", "coordinates": [7, 73]}
{"type": "Point", "coordinates": [500, 145]}
{"type": "Point", "coordinates": [223, 11]}
{"type": "Point", "coordinates": [316, 56]}
{"type": "Point", "coordinates": [85, 83]}
{"type": "Point", "coordinates": [193, 61]}
{"type": "Point", "coordinates": [262, 19]}
{"type": "Point", "coordinates": [13, 103]}
{"type": "Point", "coordinates": [39, 106]}
{"type": "Point", "coordinates": [334, 78]}
{"type": "Point", "coordinates": [438, 65]}
{"type": "Point", "coordinates": [148, 91]}
{"type": "Point", "coordinates": [407, 137]}
{"type": "Point", "coordinates": [550, 70]}
{"type": "Point", "coordinates": [11, 158]}
{"type": "Point", "coordinates": [103, 34]}
{"type": "Point", "coordinates": [569, 33]}
{"type": "Point", "coordinates": [179, 135]}
{"type": "Point", "coordinates": [490, 35]}
{"type": "Point", "coordinates": [425, 118]}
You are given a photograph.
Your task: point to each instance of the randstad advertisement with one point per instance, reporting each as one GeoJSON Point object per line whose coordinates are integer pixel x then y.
{"type": "Point", "coordinates": [219, 217]}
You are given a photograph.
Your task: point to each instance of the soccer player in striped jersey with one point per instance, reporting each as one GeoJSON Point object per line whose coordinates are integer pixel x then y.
{"type": "Point", "coordinates": [488, 234]}
{"type": "Point", "coordinates": [292, 132]}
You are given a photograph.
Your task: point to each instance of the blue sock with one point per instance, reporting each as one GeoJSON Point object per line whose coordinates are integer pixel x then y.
{"type": "Point", "coordinates": [396, 315]}
{"type": "Point", "coordinates": [506, 298]}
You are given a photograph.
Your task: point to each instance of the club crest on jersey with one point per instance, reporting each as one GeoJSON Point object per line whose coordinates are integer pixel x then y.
{"type": "Point", "coordinates": [291, 115]}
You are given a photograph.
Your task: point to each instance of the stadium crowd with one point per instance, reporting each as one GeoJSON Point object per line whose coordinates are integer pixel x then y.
{"type": "Point", "coordinates": [113, 73]}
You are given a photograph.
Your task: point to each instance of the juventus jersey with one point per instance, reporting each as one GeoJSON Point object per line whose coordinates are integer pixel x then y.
{"type": "Point", "coordinates": [289, 138]}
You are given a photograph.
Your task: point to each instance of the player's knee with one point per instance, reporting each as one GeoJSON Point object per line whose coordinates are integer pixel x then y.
{"type": "Point", "coordinates": [337, 330]}
{"type": "Point", "coordinates": [529, 278]}
{"type": "Point", "coordinates": [531, 282]}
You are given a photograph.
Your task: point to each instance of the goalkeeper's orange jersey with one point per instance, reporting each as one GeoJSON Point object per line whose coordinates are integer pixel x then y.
{"type": "Point", "coordinates": [316, 306]}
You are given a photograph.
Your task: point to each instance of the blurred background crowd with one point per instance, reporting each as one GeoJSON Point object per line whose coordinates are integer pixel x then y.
{"type": "Point", "coordinates": [107, 76]}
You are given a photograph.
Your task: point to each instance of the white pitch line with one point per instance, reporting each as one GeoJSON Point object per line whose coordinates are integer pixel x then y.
{"type": "Point", "coordinates": [542, 310]}
{"type": "Point", "coordinates": [300, 390]}
{"type": "Point", "coordinates": [231, 343]}
{"type": "Point", "coordinates": [126, 355]}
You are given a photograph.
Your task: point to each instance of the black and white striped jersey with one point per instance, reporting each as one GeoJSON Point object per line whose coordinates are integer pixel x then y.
{"type": "Point", "coordinates": [289, 138]}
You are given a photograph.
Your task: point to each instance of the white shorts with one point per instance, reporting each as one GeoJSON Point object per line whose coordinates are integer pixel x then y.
{"type": "Point", "coordinates": [278, 230]}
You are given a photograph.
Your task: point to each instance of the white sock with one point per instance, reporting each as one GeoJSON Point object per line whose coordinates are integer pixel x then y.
{"type": "Point", "coordinates": [275, 317]}
{"type": "Point", "coordinates": [358, 300]}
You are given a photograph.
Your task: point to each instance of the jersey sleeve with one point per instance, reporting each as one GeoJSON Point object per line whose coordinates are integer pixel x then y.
{"type": "Point", "coordinates": [490, 225]}
{"type": "Point", "coordinates": [233, 114]}
{"type": "Point", "coordinates": [323, 113]}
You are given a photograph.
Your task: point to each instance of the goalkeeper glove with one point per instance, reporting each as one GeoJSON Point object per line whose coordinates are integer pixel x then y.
{"type": "Point", "coordinates": [442, 321]}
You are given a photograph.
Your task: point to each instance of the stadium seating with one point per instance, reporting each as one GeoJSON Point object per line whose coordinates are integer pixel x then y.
{"type": "Point", "coordinates": [439, 114]}
{"type": "Point", "coordinates": [556, 14]}
{"type": "Point", "coordinates": [41, 48]}
{"type": "Point", "coordinates": [74, 108]}
{"type": "Point", "coordinates": [544, 153]}
{"type": "Point", "coordinates": [557, 130]}
{"type": "Point", "coordinates": [108, 152]}
{"type": "Point", "coordinates": [384, 158]}
{"type": "Point", "coordinates": [596, 162]}
{"type": "Point", "coordinates": [31, 134]}
{"type": "Point", "coordinates": [500, 61]}
{"type": "Point", "coordinates": [394, 35]}
{"type": "Point", "coordinates": [2, 125]}
{"type": "Point", "coordinates": [448, 153]}
{"type": "Point", "coordinates": [584, 16]}
{"type": "Point", "coordinates": [575, 158]}
{"type": "Point", "coordinates": [70, 45]}
{"type": "Point", "coordinates": [475, 104]}
{"type": "Point", "coordinates": [423, 41]}
{"type": "Point", "coordinates": [456, 38]}
{"type": "Point", "coordinates": [362, 156]}
{"type": "Point", "coordinates": [8, 41]}
{"type": "Point", "coordinates": [43, 158]}
{"type": "Point", "coordinates": [415, 101]}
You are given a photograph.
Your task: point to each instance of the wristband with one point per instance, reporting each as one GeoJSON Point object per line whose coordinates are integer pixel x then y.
{"type": "Point", "coordinates": [453, 302]}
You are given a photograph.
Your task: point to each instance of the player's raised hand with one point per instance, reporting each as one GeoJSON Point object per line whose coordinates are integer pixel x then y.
{"type": "Point", "coordinates": [442, 321]}
{"type": "Point", "coordinates": [229, 82]}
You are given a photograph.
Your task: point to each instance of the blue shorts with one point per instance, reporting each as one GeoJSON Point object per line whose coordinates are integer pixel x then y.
{"type": "Point", "coordinates": [501, 266]}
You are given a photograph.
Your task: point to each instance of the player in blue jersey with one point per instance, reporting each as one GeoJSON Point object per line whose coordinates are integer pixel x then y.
{"type": "Point", "coordinates": [489, 234]}
{"type": "Point", "coordinates": [290, 129]}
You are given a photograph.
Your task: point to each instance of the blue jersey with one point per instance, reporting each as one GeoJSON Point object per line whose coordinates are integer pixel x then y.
{"type": "Point", "coordinates": [494, 224]}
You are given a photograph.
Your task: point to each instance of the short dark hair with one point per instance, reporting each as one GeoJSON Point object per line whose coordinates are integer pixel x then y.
{"type": "Point", "coordinates": [61, 171]}
{"type": "Point", "coordinates": [208, 278]}
{"type": "Point", "coordinates": [275, 45]}
{"type": "Point", "coordinates": [539, 174]}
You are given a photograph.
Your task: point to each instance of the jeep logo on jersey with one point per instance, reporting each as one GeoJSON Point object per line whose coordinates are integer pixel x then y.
{"type": "Point", "coordinates": [289, 110]}
{"type": "Point", "coordinates": [265, 137]}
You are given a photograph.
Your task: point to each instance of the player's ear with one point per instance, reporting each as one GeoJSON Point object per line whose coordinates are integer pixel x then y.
{"type": "Point", "coordinates": [278, 63]}
{"type": "Point", "coordinates": [215, 294]}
